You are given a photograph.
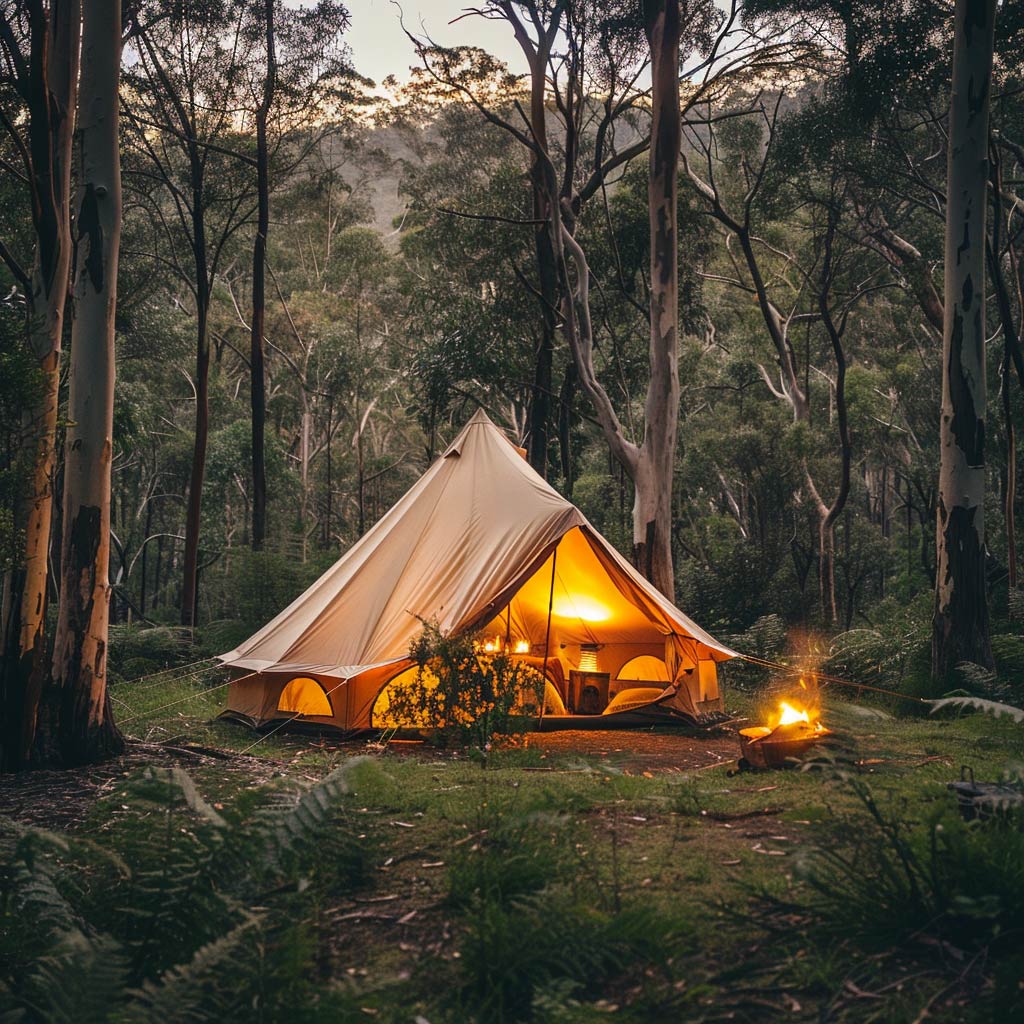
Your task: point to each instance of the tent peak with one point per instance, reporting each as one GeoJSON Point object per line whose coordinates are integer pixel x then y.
{"type": "Point", "coordinates": [480, 419]}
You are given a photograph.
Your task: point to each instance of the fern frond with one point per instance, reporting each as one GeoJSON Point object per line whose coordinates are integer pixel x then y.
{"type": "Point", "coordinates": [81, 981]}
{"type": "Point", "coordinates": [203, 990]}
{"type": "Point", "coordinates": [303, 823]}
{"type": "Point", "coordinates": [988, 707]}
{"type": "Point", "coordinates": [179, 779]}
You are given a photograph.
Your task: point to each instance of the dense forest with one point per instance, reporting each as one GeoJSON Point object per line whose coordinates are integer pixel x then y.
{"type": "Point", "coordinates": [320, 279]}
{"type": "Point", "coordinates": [744, 283]}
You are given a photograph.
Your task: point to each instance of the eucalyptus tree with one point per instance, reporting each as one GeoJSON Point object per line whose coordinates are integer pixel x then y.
{"type": "Point", "coordinates": [961, 628]}
{"type": "Point", "coordinates": [39, 55]}
{"type": "Point", "coordinates": [650, 464]}
{"type": "Point", "coordinates": [585, 121]}
{"type": "Point", "coordinates": [613, 42]}
{"type": "Point", "coordinates": [887, 94]}
{"type": "Point", "coordinates": [812, 279]}
{"type": "Point", "coordinates": [75, 724]}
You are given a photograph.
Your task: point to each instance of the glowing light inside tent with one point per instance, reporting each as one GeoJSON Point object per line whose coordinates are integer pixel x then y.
{"type": "Point", "coordinates": [580, 607]}
{"type": "Point", "coordinates": [492, 646]}
{"type": "Point", "coordinates": [588, 658]}
{"type": "Point", "coordinates": [522, 647]}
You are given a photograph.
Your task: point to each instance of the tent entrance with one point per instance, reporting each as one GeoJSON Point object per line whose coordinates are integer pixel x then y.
{"type": "Point", "coordinates": [574, 621]}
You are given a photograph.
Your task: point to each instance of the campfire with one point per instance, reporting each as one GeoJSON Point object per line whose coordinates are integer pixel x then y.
{"type": "Point", "coordinates": [795, 729]}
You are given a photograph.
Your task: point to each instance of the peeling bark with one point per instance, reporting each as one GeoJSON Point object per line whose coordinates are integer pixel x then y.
{"type": "Point", "coordinates": [652, 513]}
{"type": "Point", "coordinates": [193, 507]}
{"type": "Point", "coordinates": [1011, 358]}
{"type": "Point", "coordinates": [50, 90]}
{"type": "Point", "coordinates": [75, 723]}
{"type": "Point", "coordinates": [960, 625]}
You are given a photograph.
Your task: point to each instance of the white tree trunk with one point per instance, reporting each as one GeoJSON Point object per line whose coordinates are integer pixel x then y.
{"type": "Point", "coordinates": [960, 628]}
{"type": "Point", "coordinates": [652, 508]}
{"type": "Point", "coordinates": [650, 465]}
{"type": "Point", "coordinates": [78, 722]}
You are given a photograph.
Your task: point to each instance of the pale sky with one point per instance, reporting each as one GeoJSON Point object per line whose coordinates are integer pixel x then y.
{"type": "Point", "coordinates": [380, 47]}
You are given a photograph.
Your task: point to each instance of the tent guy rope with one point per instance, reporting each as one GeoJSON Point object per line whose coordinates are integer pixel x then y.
{"type": "Point", "coordinates": [823, 677]}
{"type": "Point", "coordinates": [183, 700]}
{"type": "Point", "coordinates": [194, 666]}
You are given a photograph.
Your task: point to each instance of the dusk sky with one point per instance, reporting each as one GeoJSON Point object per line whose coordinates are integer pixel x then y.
{"type": "Point", "coordinates": [380, 47]}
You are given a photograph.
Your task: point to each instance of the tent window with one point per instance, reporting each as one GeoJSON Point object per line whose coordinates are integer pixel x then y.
{"type": "Point", "coordinates": [644, 669]}
{"type": "Point", "coordinates": [401, 703]}
{"type": "Point", "coordinates": [305, 696]}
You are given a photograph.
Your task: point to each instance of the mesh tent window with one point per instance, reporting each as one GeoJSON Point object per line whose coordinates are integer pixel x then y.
{"type": "Point", "coordinates": [305, 696]}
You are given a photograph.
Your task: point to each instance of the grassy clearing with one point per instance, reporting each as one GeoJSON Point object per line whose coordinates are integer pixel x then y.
{"type": "Point", "coordinates": [550, 885]}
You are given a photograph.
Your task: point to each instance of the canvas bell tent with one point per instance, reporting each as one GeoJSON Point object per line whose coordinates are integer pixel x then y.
{"type": "Point", "coordinates": [481, 543]}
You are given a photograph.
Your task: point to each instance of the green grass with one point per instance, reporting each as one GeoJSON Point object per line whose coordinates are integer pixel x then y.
{"type": "Point", "coordinates": [557, 886]}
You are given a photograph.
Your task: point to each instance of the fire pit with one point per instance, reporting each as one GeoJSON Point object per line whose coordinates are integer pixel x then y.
{"type": "Point", "coordinates": [795, 732]}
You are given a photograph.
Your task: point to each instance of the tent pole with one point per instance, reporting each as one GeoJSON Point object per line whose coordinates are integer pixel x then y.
{"type": "Point", "coordinates": [547, 638]}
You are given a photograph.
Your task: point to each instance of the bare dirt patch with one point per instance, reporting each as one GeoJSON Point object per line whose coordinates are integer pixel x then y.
{"type": "Point", "coordinates": [62, 799]}
{"type": "Point", "coordinates": [640, 752]}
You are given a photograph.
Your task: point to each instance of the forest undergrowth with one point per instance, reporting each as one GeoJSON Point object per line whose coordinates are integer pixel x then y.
{"type": "Point", "coordinates": [207, 878]}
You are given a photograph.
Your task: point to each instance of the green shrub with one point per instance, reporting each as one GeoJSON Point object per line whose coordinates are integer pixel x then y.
{"type": "Point", "coordinates": [513, 954]}
{"type": "Point", "coordinates": [137, 651]}
{"type": "Point", "coordinates": [542, 930]}
{"type": "Point", "coordinates": [461, 693]}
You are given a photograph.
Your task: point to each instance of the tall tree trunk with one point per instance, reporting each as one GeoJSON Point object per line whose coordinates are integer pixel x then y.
{"type": "Point", "coordinates": [145, 550]}
{"type": "Point", "coordinates": [1010, 499]}
{"type": "Point", "coordinates": [829, 514]}
{"type": "Point", "coordinates": [545, 195]}
{"type": "Point", "coordinates": [1012, 357]}
{"type": "Point", "coordinates": [360, 472]}
{"type": "Point", "coordinates": [193, 512]}
{"type": "Point", "coordinates": [565, 402]}
{"type": "Point", "coordinates": [259, 258]}
{"type": "Point", "coordinates": [75, 721]}
{"type": "Point", "coordinates": [960, 626]}
{"type": "Point", "coordinates": [329, 512]}
{"type": "Point", "coordinates": [194, 502]}
{"type": "Point", "coordinates": [651, 465]}
{"type": "Point", "coordinates": [652, 510]}
{"type": "Point", "coordinates": [540, 394]}
{"type": "Point", "coordinates": [50, 90]}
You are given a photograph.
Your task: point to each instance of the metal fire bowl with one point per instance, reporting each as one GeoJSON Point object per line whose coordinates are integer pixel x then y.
{"type": "Point", "coordinates": [762, 747]}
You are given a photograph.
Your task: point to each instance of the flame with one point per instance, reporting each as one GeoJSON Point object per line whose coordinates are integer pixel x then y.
{"type": "Point", "coordinates": [789, 715]}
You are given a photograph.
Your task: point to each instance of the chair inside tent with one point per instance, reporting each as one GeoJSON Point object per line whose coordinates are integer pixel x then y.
{"type": "Point", "coordinates": [480, 545]}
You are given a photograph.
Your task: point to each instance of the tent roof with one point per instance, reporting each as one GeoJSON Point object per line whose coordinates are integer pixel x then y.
{"type": "Point", "coordinates": [474, 529]}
